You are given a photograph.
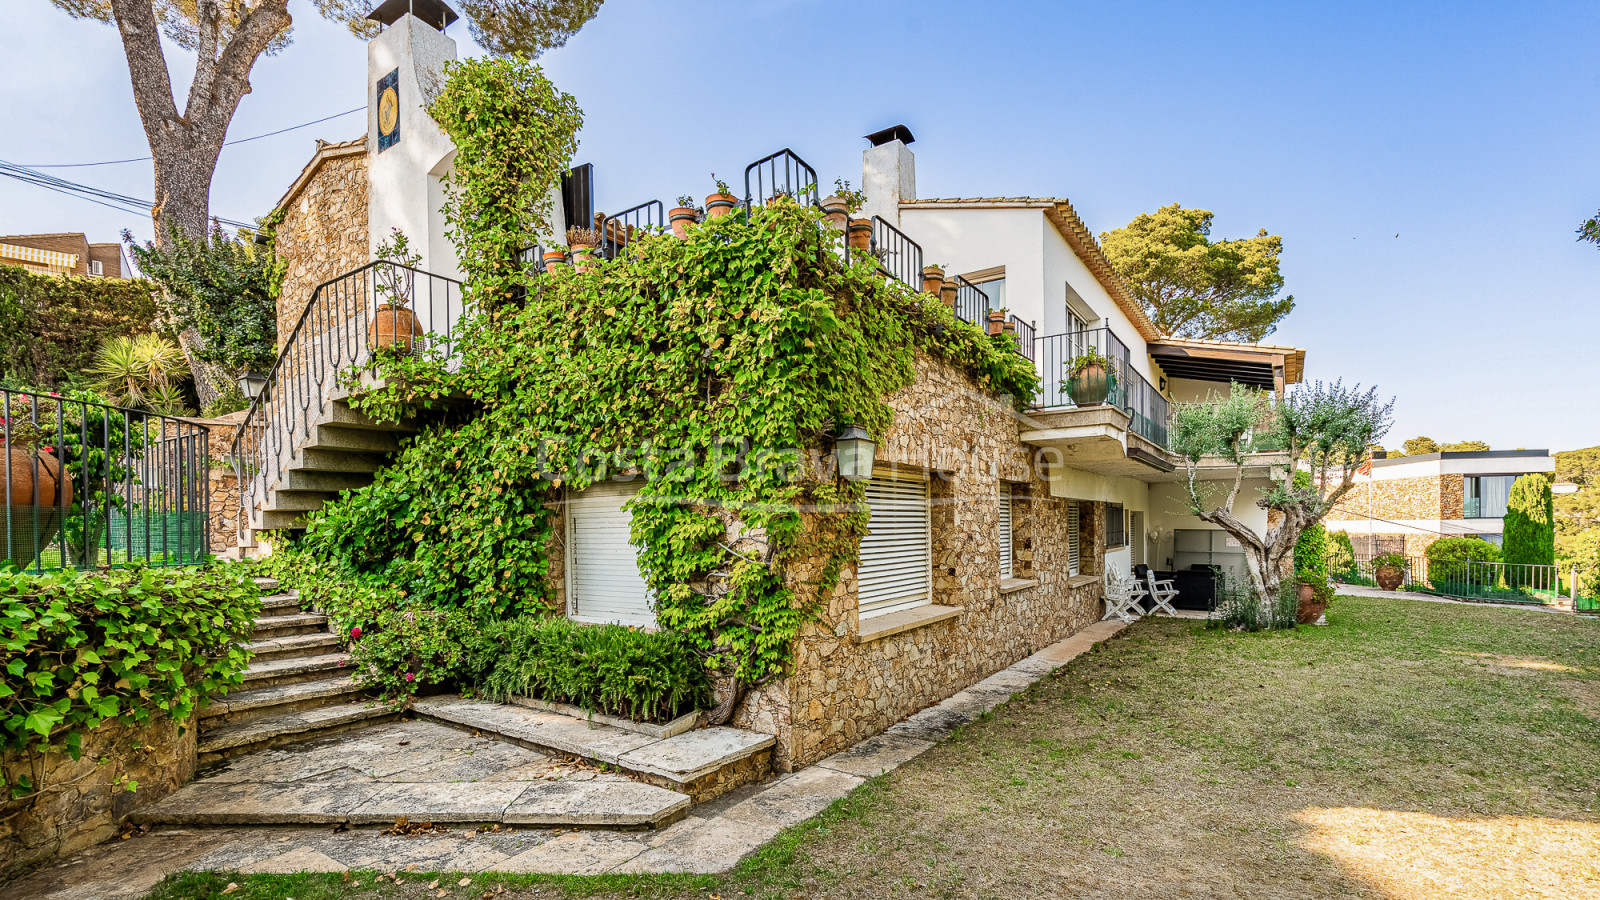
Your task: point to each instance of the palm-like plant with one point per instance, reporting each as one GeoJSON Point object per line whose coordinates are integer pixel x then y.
{"type": "Point", "coordinates": [141, 372]}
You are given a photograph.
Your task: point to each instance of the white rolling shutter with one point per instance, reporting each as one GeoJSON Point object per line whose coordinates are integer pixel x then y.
{"type": "Point", "coordinates": [1072, 537]}
{"type": "Point", "coordinates": [896, 555]}
{"type": "Point", "coordinates": [603, 580]}
{"type": "Point", "coordinates": [1005, 530]}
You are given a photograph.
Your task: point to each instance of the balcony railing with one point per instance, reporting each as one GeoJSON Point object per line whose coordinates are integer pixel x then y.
{"type": "Point", "coordinates": [1105, 376]}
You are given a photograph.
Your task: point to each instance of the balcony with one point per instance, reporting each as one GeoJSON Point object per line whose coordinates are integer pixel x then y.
{"type": "Point", "coordinates": [1110, 380]}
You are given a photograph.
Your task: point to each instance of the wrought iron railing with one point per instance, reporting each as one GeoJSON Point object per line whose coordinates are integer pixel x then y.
{"type": "Point", "coordinates": [1026, 335]}
{"type": "Point", "coordinates": [1494, 582]}
{"type": "Point", "coordinates": [618, 231]}
{"type": "Point", "coordinates": [1094, 368]}
{"type": "Point", "coordinates": [86, 484]}
{"type": "Point", "coordinates": [380, 305]}
{"type": "Point", "coordinates": [972, 304]}
{"type": "Point", "coordinates": [782, 174]}
{"type": "Point", "coordinates": [898, 256]}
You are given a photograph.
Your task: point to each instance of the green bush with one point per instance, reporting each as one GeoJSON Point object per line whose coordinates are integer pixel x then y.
{"type": "Point", "coordinates": [52, 326]}
{"type": "Point", "coordinates": [640, 675]}
{"type": "Point", "coordinates": [79, 649]}
{"type": "Point", "coordinates": [1448, 562]}
{"type": "Point", "coordinates": [1530, 533]}
{"type": "Point", "coordinates": [1311, 561]}
{"type": "Point", "coordinates": [1342, 557]}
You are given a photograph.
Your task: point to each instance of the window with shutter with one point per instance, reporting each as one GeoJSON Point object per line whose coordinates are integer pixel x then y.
{"type": "Point", "coordinates": [896, 570]}
{"type": "Point", "coordinates": [1116, 526]}
{"type": "Point", "coordinates": [1072, 537]}
{"type": "Point", "coordinates": [1006, 536]}
{"type": "Point", "coordinates": [603, 580]}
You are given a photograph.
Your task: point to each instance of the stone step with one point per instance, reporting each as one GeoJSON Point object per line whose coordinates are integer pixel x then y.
{"type": "Point", "coordinates": [267, 585]}
{"type": "Point", "coordinates": [289, 669]}
{"type": "Point", "coordinates": [273, 731]}
{"type": "Point", "coordinates": [703, 763]}
{"type": "Point", "coordinates": [359, 440]}
{"type": "Point", "coordinates": [293, 645]}
{"type": "Point", "coordinates": [328, 482]}
{"type": "Point", "coordinates": [274, 520]}
{"type": "Point", "coordinates": [284, 601]}
{"type": "Point", "coordinates": [340, 414]}
{"type": "Point", "coordinates": [261, 702]}
{"type": "Point", "coordinates": [300, 501]}
{"type": "Point", "coordinates": [606, 804]}
{"type": "Point", "coordinates": [291, 623]}
{"type": "Point", "coordinates": [337, 461]}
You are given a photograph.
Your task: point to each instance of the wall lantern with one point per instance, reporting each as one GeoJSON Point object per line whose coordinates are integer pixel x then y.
{"type": "Point", "coordinates": [856, 453]}
{"type": "Point", "coordinates": [253, 385]}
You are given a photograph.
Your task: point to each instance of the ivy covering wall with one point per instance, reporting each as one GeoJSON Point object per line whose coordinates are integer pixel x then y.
{"type": "Point", "coordinates": [713, 370]}
{"type": "Point", "coordinates": [51, 326]}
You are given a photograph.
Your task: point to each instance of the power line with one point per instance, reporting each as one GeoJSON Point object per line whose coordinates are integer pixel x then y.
{"type": "Point", "coordinates": [118, 162]}
{"type": "Point", "coordinates": [109, 199]}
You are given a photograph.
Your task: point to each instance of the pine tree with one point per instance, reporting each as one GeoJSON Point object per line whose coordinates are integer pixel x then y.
{"type": "Point", "coordinates": [1530, 535]}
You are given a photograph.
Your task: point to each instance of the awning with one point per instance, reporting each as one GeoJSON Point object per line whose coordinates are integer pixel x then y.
{"type": "Point", "coordinates": [1256, 365]}
{"type": "Point", "coordinates": [51, 258]}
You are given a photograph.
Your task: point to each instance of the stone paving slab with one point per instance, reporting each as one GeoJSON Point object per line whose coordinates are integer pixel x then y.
{"type": "Point", "coordinates": [564, 733]}
{"type": "Point", "coordinates": [576, 853]}
{"type": "Point", "coordinates": [465, 801]}
{"type": "Point", "coordinates": [876, 755]}
{"type": "Point", "coordinates": [252, 803]}
{"type": "Point", "coordinates": [688, 756]}
{"type": "Point", "coordinates": [596, 803]}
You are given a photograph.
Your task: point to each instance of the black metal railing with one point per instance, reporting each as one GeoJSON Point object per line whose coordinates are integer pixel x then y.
{"type": "Point", "coordinates": [781, 174]}
{"type": "Point", "coordinates": [380, 305]}
{"type": "Point", "coordinates": [1094, 368]}
{"type": "Point", "coordinates": [618, 231]}
{"type": "Point", "coordinates": [86, 485]}
{"type": "Point", "coordinates": [898, 256]}
{"type": "Point", "coordinates": [972, 304]}
{"type": "Point", "coordinates": [1026, 335]}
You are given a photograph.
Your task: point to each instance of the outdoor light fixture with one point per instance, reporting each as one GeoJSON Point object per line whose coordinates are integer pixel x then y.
{"type": "Point", "coordinates": [856, 451]}
{"type": "Point", "coordinates": [253, 385]}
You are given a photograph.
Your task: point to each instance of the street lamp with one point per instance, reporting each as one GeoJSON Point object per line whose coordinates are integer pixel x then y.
{"type": "Point", "coordinates": [253, 385]}
{"type": "Point", "coordinates": [856, 452]}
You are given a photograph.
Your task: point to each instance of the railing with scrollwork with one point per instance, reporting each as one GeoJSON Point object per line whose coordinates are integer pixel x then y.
{"type": "Point", "coordinates": [380, 305]}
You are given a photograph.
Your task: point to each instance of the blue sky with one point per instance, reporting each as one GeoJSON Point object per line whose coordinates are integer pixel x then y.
{"type": "Point", "coordinates": [1425, 163]}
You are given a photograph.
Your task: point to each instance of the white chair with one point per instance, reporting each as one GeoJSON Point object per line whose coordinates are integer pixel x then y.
{"type": "Point", "coordinates": [1122, 597]}
{"type": "Point", "coordinates": [1161, 593]}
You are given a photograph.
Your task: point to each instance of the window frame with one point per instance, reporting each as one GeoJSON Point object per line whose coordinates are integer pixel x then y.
{"type": "Point", "coordinates": [1006, 530]}
{"type": "Point", "coordinates": [1121, 530]}
{"type": "Point", "coordinates": [909, 601]}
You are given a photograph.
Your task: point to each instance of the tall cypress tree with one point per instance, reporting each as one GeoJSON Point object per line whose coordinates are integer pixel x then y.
{"type": "Point", "coordinates": [1530, 534]}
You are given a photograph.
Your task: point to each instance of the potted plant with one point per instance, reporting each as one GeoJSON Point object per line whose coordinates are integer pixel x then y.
{"type": "Point", "coordinates": [723, 201]}
{"type": "Point", "coordinates": [553, 260]}
{"type": "Point", "coordinates": [932, 279]}
{"type": "Point", "coordinates": [38, 494]}
{"type": "Point", "coordinates": [583, 241]}
{"type": "Point", "coordinates": [683, 215]}
{"type": "Point", "coordinates": [393, 324]}
{"type": "Point", "coordinates": [1089, 378]}
{"type": "Point", "coordinates": [842, 204]}
{"type": "Point", "coordinates": [860, 234]}
{"type": "Point", "coordinates": [1390, 570]}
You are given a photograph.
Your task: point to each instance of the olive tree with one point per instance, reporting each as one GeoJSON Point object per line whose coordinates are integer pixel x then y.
{"type": "Point", "coordinates": [1325, 430]}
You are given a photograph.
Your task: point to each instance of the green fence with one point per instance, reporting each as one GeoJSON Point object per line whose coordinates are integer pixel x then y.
{"type": "Point", "coordinates": [1492, 582]}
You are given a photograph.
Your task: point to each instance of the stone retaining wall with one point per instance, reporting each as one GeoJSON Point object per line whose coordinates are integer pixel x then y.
{"type": "Point", "coordinates": [324, 229]}
{"type": "Point", "coordinates": [1430, 497]}
{"type": "Point", "coordinates": [80, 802]}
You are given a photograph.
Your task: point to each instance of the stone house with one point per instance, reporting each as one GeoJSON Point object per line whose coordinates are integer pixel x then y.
{"type": "Point", "coordinates": [993, 531]}
{"type": "Point", "coordinates": [1403, 504]}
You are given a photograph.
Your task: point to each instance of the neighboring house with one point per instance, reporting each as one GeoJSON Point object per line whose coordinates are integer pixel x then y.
{"type": "Point", "coordinates": [992, 530]}
{"type": "Point", "coordinates": [1403, 504]}
{"type": "Point", "coordinates": [67, 253]}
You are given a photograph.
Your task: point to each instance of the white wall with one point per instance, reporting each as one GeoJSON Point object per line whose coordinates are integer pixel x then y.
{"type": "Point", "coordinates": [1169, 511]}
{"type": "Point", "coordinates": [1493, 465]}
{"type": "Point", "coordinates": [1133, 494]}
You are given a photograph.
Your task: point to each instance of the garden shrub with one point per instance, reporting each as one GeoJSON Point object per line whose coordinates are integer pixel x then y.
{"type": "Point", "coordinates": [1530, 533]}
{"type": "Point", "coordinates": [1342, 557]}
{"type": "Point", "coordinates": [53, 325]}
{"type": "Point", "coordinates": [1448, 562]}
{"type": "Point", "coordinates": [1311, 561]}
{"type": "Point", "coordinates": [620, 671]}
{"type": "Point", "coordinates": [78, 649]}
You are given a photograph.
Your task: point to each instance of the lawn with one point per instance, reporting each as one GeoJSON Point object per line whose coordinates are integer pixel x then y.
{"type": "Point", "coordinates": [1407, 750]}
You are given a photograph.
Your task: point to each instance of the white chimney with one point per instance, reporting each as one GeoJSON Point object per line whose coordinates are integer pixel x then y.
{"type": "Point", "coordinates": [888, 173]}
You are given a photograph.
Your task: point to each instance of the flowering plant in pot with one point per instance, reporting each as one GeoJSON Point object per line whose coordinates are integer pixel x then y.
{"type": "Point", "coordinates": [683, 215]}
{"type": "Point", "coordinates": [554, 260]}
{"type": "Point", "coordinates": [1089, 378]}
{"type": "Point", "coordinates": [394, 326]}
{"type": "Point", "coordinates": [1389, 569]}
{"type": "Point", "coordinates": [583, 242]}
{"type": "Point", "coordinates": [723, 201]}
{"type": "Point", "coordinates": [842, 204]}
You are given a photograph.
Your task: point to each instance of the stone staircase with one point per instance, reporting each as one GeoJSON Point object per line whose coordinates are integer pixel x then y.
{"type": "Point", "coordinates": [299, 685]}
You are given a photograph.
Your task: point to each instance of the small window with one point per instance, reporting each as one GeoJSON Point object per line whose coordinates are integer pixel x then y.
{"type": "Point", "coordinates": [1116, 527]}
{"type": "Point", "coordinates": [896, 570]}
{"type": "Point", "coordinates": [603, 579]}
{"type": "Point", "coordinates": [96, 267]}
{"type": "Point", "coordinates": [1007, 536]}
{"type": "Point", "coordinates": [1072, 537]}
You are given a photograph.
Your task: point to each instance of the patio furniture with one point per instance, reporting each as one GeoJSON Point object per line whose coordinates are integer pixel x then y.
{"type": "Point", "coordinates": [1161, 593]}
{"type": "Point", "coordinates": [1122, 597]}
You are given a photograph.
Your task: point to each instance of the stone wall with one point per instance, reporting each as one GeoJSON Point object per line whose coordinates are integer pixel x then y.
{"type": "Point", "coordinates": [80, 802]}
{"type": "Point", "coordinates": [846, 687]}
{"type": "Point", "coordinates": [1432, 497]}
{"type": "Point", "coordinates": [324, 230]}
{"type": "Point", "coordinates": [221, 483]}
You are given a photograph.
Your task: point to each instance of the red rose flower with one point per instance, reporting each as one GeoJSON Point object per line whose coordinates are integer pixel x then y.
{"type": "Point", "coordinates": [410, 678]}
{"type": "Point", "coordinates": [355, 632]}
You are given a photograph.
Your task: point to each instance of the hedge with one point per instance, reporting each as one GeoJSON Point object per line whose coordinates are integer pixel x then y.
{"type": "Point", "coordinates": [54, 324]}
{"type": "Point", "coordinates": [78, 649]}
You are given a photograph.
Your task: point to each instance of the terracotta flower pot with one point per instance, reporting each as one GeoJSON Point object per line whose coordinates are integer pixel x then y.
{"type": "Point", "coordinates": [860, 234]}
{"type": "Point", "coordinates": [393, 326]}
{"type": "Point", "coordinates": [837, 211]}
{"type": "Point", "coordinates": [39, 498]}
{"type": "Point", "coordinates": [1389, 577]}
{"type": "Point", "coordinates": [553, 260]}
{"type": "Point", "coordinates": [1089, 386]}
{"type": "Point", "coordinates": [1310, 609]}
{"type": "Point", "coordinates": [582, 257]}
{"type": "Point", "coordinates": [720, 205]}
{"type": "Point", "coordinates": [948, 291]}
{"type": "Point", "coordinates": [681, 218]}
{"type": "Point", "coordinates": [932, 279]}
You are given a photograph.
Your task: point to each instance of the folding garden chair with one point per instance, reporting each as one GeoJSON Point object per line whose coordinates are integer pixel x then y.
{"type": "Point", "coordinates": [1161, 593]}
{"type": "Point", "coordinates": [1122, 600]}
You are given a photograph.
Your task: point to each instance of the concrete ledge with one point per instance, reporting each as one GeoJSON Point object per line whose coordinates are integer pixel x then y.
{"type": "Point", "coordinates": [1078, 581]}
{"type": "Point", "coordinates": [1010, 585]}
{"type": "Point", "coordinates": [685, 722]}
{"type": "Point", "coordinates": [894, 623]}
